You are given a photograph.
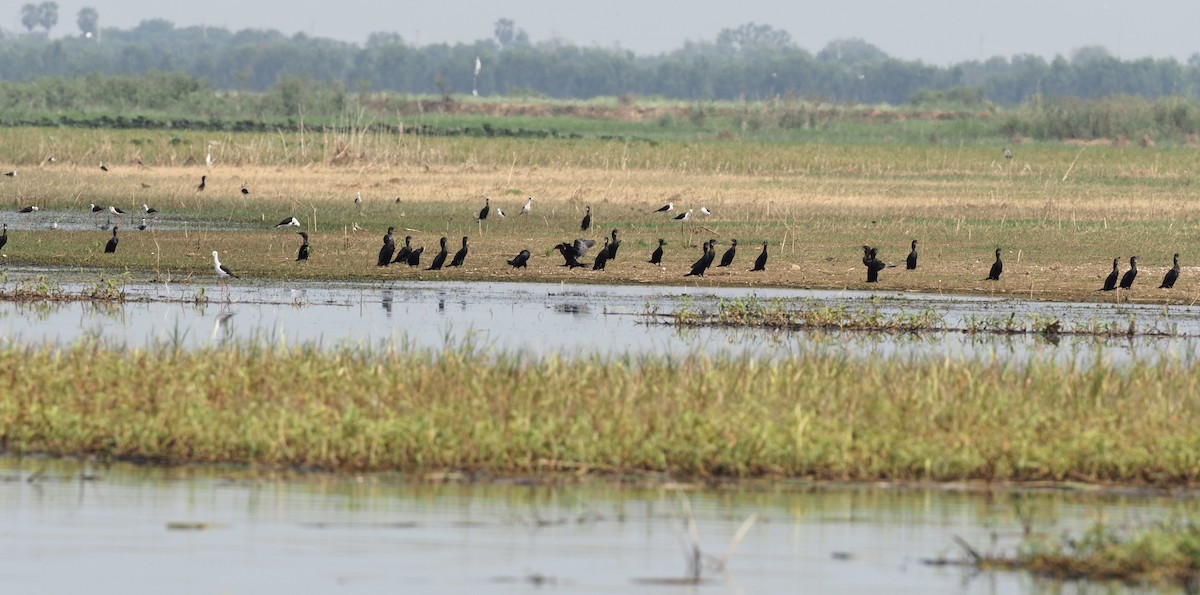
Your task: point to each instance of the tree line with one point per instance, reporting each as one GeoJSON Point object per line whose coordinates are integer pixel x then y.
{"type": "Point", "coordinates": [751, 62]}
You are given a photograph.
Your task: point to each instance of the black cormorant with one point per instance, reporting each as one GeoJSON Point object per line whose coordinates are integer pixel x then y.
{"type": "Point", "coordinates": [440, 259]}
{"type": "Point", "coordinates": [727, 257]}
{"type": "Point", "coordinates": [1171, 276]}
{"type": "Point", "coordinates": [997, 268]}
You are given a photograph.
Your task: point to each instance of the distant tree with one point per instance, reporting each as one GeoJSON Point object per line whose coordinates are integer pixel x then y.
{"type": "Point", "coordinates": [851, 52]}
{"type": "Point", "coordinates": [1088, 54]}
{"type": "Point", "coordinates": [29, 16]}
{"type": "Point", "coordinates": [505, 30]}
{"type": "Point", "coordinates": [88, 20]}
{"type": "Point", "coordinates": [750, 37]}
{"type": "Point", "coordinates": [48, 15]}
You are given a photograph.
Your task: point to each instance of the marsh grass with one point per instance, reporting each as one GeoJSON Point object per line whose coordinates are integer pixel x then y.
{"type": "Point", "coordinates": [462, 409]}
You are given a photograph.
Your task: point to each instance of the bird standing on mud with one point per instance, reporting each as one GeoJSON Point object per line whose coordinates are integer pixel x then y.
{"type": "Point", "coordinates": [727, 257]}
{"type": "Point", "coordinates": [656, 256]}
{"type": "Point", "coordinates": [569, 255]}
{"type": "Point", "coordinates": [1130, 275]}
{"type": "Point", "coordinates": [997, 268]}
{"type": "Point", "coordinates": [705, 260]}
{"type": "Point", "coordinates": [440, 258]}
{"type": "Point", "coordinates": [305, 248]}
{"type": "Point", "coordinates": [911, 262]}
{"type": "Point", "coordinates": [487, 207]}
{"type": "Point", "coordinates": [873, 264]}
{"type": "Point", "coordinates": [403, 253]}
{"type": "Point", "coordinates": [461, 255]}
{"type": "Point", "coordinates": [4, 237]}
{"type": "Point", "coordinates": [1172, 275]}
{"type": "Point", "coordinates": [111, 246]}
{"type": "Point", "coordinates": [760, 263]}
{"type": "Point", "coordinates": [389, 248]}
{"type": "Point", "coordinates": [1110, 283]}
{"type": "Point", "coordinates": [612, 247]}
{"type": "Point", "coordinates": [587, 219]}
{"type": "Point", "coordinates": [521, 260]}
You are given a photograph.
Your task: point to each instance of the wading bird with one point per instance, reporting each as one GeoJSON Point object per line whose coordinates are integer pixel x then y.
{"type": "Point", "coordinates": [115, 210]}
{"type": "Point", "coordinates": [461, 255]}
{"type": "Point", "coordinates": [911, 263]}
{"type": "Point", "coordinates": [684, 216]}
{"type": "Point", "coordinates": [997, 268]}
{"type": "Point", "coordinates": [656, 256]}
{"type": "Point", "coordinates": [667, 208]}
{"type": "Point", "coordinates": [528, 206]}
{"type": "Point", "coordinates": [223, 273]}
{"type": "Point", "coordinates": [290, 221]}
{"type": "Point", "coordinates": [305, 248]}
{"type": "Point", "coordinates": [103, 167]}
{"type": "Point", "coordinates": [520, 261]}
{"type": "Point", "coordinates": [28, 209]}
{"type": "Point", "coordinates": [1110, 282]}
{"type": "Point", "coordinates": [760, 263]}
{"type": "Point", "coordinates": [149, 209]}
{"type": "Point", "coordinates": [142, 227]}
{"type": "Point", "coordinates": [1172, 275]}
{"type": "Point", "coordinates": [1130, 275]}
{"type": "Point", "coordinates": [500, 212]}
{"type": "Point", "coordinates": [440, 258]}
{"type": "Point", "coordinates": [111, 246]}
{"type": "Point", "coordinates": [704, 211]}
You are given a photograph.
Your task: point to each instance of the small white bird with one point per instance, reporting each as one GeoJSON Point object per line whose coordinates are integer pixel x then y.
{"type": "Point", "coordinates": [667, 208]}
{"type": "Point", "coordinates": [500, 213]}
{"type": "Point", "coordinates": [115, 210]}
{"type": "Point", "coordinates": [149, 209]}
{"type": "Point", "coordinates": [528, 206]}
{"type": "Point", "coordinates": [358, 199]}
{"type": "Point", "coordinates": [142, 227]}
{"type": "Point", "coordinates": [221, 270]}
{"type": "Point", "coordinates": [289, 221]}
{"type": "Point", "coordinates": [54, 225]}
{"type": "Point", "coordinates": [29, 209]}
{"type": "Point", "coordinates": [103, 167]}
{"type": "Point", "coordinates": [478, 66]}
{"type": "Point", "coordinates": [684, 216]}
{"type": "Point", "coordinates": [704, 211]}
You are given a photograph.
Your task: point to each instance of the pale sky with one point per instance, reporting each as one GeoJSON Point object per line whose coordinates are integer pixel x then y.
{"type": "Point", "coordinates": [935, 31]}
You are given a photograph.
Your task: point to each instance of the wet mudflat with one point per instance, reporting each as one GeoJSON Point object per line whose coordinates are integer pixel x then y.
{"type": "Point", "coordinates": [206, 530]}
{"type": "Point", "coordinates": [583, 320]}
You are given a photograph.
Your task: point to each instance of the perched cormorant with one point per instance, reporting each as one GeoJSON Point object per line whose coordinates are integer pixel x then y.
{"type": "Point", "coordinates": [111, 246]}
{"type": "Point", "coordinates": [4, 237]}
{"type": "Point", "coordinates": [705, 260]}
{"type": "Point", "coordinates": [440, 259]}
{"type": "Point", "coordinates": [581, 247]}
{"type": "Point", "coordinates": [414, 257]}
{"type": "Point", "coordinates": [873, 264]}
{"type": "Point", "coordinates": [997, 268]}
{"type": "Point", "coordinates": [727, 257]}
{"type": "Point", "coordinates": [305, 248]}
{"type": "Point", "coordinates": [568, 254]}
{"type": "Point", "coordinates": [656, 256]}
{"type": "Point", "coordinates": [613, 246]}
{"type": "Point", "coordinates": [601, 258]}
{"type": "Point", "coordinates": [487, 208]}
{"type": "Point", "coordinates": [587, 219]}
{"type": "Point", "coordinates": [1110, 283]}
{"type": "Point", "coordinates": [203, 181]}
{"type": "Point", "coordinates": [389, 248]}
{"type": "Point", "coordinates": [461, 255]}
{"type": "Point", "coordinates": [1130, 275]}
{"type": "Point", "coordinates": [1171, 276]}
{"type": "Point", "coordinates": [404, 251]}
{"type": "Point", "coordinates": [520, 261]}
{"type": "Point", "coordinates": [911, 263]}
{"type": "Point", "coordinates": [760, 263]}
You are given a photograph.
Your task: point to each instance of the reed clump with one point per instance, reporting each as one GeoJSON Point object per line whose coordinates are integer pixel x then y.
{"type": "Point", "coordinates": [461, 408]}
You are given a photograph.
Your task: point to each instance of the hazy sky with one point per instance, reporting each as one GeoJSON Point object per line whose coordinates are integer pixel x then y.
{"type": "Point", "coordinates": [936, 31]}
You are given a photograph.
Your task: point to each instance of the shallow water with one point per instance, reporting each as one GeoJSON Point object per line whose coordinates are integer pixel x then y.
{"type": "Point", "coordinates": [127, 526]}
{"type": "Point", "coordinates": [583, 320]}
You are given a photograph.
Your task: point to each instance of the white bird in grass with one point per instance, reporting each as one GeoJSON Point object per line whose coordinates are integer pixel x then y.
{"type": "Point", "coordinates": [528, 206]}
{"type": "Point", "coordinates": [28, 209]}
{"type": "Point", "coordinates": [358, 199]}
{"type": "Point", "coordinates": [142, 227]}
{"type": "Point", "coordinates": [684, 216]}
{"type": "Point", "coordinates": [148, 209]}
{"type": "Point", "coordinates": [704, 211]}
{"type": "Point", "coordinates": [115, 210]}
{"type": "Point", "coordinates": [289, 221]}
{"type": "Point", "coordinates": [223, 273]}
{"type": "Point", "coordinates": [667, 208]}
{"type": "Point", "coordinates": [500, 213]}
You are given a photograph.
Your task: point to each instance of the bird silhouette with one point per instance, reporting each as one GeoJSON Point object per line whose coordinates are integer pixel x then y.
{"type": "Point", "coordinates": [203, 182]}
{"type": "Point", "coordinates": [521, 260]}
{"type": "Point", "coordinates": [727, 257]}
{"type": "Point", "coordinates": [656, 256]}
{"type": "Point", "coordinates": [461, 255]}
{"type": "Point", "coordinates": [997, 268]}
{"type": "Point", "coordinates": [1110, 283]}
{"type": "Point", "coordinates": [440, 258]}
{"type": "Point", "coordinates": [705, 260]}
{"type": "Point", "coordinates": [613, 246]}
{"type": "Point", "coordinates": [873, 264]}
{"type": "Point", "coordinates": [568, 253]}
{"type": "Point", "coordinates": [1130, 275]}
{"type": "Point", "coordinates": [601, 258]}
{"type": "Point", "coordinates": [4, 237]}
{"type": "Point", "coordinates": [587, 219]}
{"type": "Point", "coordinates": [911, 262]}
{"type": "Point", "coordinates": [305, 248]}
{"type": "Point", "coordinates": [290, 221]}
{"type": "Point", "coordinates": [1172, 275]}
{"type": "Point", "coordinates": [414, 257]}
{"type": "Point", "coordinates": [389, 247]}
{"type": "Point", "coordinates": [667, 208]}
{"type": "Point", "coordinates": [111, 246]}
{"type": "Point", "coordinates": [404, 251]}
{"type": "Point", "coordinates": [487, 207]}
{"type": "Point", "coordinates": [760, 263]}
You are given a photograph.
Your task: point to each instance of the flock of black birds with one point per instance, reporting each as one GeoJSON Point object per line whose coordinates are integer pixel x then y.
{"type": "Point", "coordinates": [875, 265]}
